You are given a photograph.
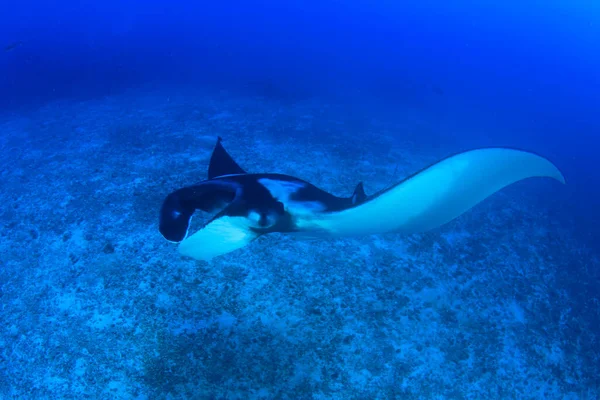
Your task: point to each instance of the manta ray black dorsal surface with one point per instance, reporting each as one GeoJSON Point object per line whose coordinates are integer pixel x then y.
{"type": "Point", "coordinates": [221, 163]}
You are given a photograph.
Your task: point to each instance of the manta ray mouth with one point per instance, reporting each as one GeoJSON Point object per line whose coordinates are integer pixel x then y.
{"type": "Point", "coordinates": [207, 216]}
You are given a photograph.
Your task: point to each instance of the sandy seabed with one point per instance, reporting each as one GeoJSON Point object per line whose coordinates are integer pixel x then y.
{"type": "Point", "coordinates": [95, 304]}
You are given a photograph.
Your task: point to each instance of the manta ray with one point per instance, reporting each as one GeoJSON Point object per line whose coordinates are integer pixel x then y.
{"type": "Point", "coordinates": [248, 205]}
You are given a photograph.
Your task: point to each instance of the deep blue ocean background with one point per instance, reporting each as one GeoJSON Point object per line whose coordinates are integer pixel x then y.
{"type": "Point", "coordinates": [107, 106]}
{"type": "Point", "coordinates": [525, 74]}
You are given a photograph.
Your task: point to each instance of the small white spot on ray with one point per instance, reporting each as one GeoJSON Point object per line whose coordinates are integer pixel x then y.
{"type": "Point", "coordinates": [254, 217]}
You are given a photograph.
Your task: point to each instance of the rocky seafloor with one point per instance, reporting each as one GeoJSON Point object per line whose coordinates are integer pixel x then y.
{"type": "Point", "coordinates": [94, 303]}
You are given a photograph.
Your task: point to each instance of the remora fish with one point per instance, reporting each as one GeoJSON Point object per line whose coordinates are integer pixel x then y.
{"type": "Point", "coordinates": [249, 205]}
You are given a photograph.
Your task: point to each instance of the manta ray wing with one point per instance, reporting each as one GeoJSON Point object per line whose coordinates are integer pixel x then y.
{"type": "Point", "coordinates": [222, 235]}
{"type": "Point", "coordinates": [437, 194]}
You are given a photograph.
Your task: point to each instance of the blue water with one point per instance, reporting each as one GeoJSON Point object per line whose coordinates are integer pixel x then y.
{"type": "Point", "coordinates": [106, 107]}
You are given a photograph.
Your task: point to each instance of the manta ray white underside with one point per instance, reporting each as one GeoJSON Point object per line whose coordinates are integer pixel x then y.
{"type": "Point", "coordinates": [424, 201]}
{"type": "Point", "coordinates": [439, 193]}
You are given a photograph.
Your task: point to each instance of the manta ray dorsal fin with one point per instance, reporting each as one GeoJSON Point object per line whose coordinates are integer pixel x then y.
{"type": "Point", "coordinates": [221, 163]}
{"type": "Point", "coordinates": [359, 195]}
